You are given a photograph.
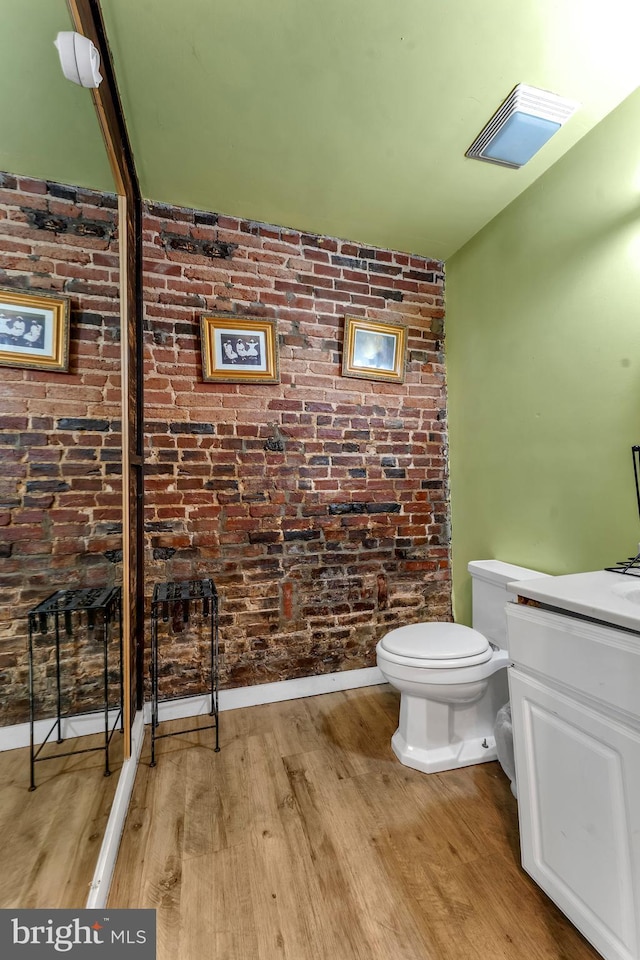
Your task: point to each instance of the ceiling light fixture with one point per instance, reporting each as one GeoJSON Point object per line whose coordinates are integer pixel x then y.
{"type": "Point", "coordinates": [521, 125]}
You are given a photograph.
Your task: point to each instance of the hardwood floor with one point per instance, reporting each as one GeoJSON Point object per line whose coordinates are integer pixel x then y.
{"type": "Point", "coordinates": [305, 839]}
{"type": "Point", "coordinates": [50, 838]}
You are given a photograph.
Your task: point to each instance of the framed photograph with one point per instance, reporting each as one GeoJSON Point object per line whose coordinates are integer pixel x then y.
{"type": "Point", "coordinates": [34, 330]}
{"type": "Point", "coordinates": [374, 351]}
{"type": "Point", "coordinates": [239, 351]}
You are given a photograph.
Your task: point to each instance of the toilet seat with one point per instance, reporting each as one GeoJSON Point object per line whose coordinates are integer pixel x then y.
{"type": "Point", "coordinates": [436, 646]}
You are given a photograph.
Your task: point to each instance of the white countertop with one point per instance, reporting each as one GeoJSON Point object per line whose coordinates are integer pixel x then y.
{"type": "Point", "coordinates": [610, 597]}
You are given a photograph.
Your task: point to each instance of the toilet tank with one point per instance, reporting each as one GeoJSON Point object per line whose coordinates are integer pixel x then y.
{"type": "Point", "coordinates": [489, 579]}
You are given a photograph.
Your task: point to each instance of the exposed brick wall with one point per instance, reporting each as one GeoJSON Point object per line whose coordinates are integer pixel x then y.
{"type": "Point", "coordinates": [59, 433]}
{"type": "Point", "coordinates": [319, 549]}
{"type": "Point", "coordinates": [316, 549]}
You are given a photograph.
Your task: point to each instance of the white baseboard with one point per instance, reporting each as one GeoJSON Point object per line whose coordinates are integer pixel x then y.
{"type": "Point", "coordinates": [275, 692]}
{"type": "Point", "coordinates": [99, 889]}
{"type": "Point", "coordinates": [84, 724]}
{"type": "Point", "coordinates": [17, 735]}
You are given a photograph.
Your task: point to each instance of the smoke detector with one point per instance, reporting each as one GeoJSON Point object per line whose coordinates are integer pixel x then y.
{"type": "Point", "coordinates": [79, 59]}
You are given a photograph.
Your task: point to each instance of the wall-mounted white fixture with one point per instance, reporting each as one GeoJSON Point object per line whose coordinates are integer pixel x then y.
{"type": "Point", "coordinates": [79, 59]}
{"type": "Point", "coordinates": [521, 125]}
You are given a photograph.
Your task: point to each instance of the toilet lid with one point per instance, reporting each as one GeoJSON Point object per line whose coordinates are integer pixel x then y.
{"type": "Point", "coordinates": [437, 641]}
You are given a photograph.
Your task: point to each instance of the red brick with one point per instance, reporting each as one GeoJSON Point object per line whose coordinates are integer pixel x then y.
{"type": "Point", "coordinates": [224, 491]}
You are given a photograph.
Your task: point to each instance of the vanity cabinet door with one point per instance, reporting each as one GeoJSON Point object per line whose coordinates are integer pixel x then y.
{"type": "Point", "coordinates": [578, 775]}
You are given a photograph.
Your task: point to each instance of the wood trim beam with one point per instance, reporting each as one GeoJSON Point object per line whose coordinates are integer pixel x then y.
{"type": "Point", "coordinates": [127, 627]}
{"type": "Point", "coordinates": [87, 20]}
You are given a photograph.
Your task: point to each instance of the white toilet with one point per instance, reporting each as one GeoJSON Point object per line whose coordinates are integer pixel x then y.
{"type": "Point", "coordinates": [452, 679]}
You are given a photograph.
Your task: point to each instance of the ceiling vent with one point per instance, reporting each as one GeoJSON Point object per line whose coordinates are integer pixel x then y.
{"type": "Point", "coordinates": [525, 121]}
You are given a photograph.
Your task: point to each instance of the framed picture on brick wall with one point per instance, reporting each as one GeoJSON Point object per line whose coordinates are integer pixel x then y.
{"type": "Point", "coordinates": [239, 351]}
{"type": "Point", "coordinates": [374, 351]}
{"type": "Point", "coordinates": [34, 330]}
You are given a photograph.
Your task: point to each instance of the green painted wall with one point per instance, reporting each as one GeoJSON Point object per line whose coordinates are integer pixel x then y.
{"type": "Point", "coordinates": [351, 117]}
{"type": "Point", "coordinates": [543, 356]}
{"type": "Point", "coordinates": [343, 117]}
{"type": "Point", "coordinates": [48, 126]}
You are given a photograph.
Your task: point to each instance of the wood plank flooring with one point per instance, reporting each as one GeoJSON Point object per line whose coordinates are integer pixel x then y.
{"type": "Point", "coordinates": [305, 839]}
{"type": "Point", "coordinates": [50, 838]}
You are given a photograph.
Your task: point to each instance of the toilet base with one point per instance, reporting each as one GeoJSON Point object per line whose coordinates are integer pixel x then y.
{"type": "Point", "coordinates": [449, 725]}
{"type": "Point", "coordinates": [464, 753]}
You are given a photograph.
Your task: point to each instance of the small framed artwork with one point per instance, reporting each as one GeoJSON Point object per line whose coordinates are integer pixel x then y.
{"type": "Point", "coordinates": [239, 351]}
{"type": "Point", "coordinates": [34, 330]}
{"type": "Point", "coordinates": [374, 351]}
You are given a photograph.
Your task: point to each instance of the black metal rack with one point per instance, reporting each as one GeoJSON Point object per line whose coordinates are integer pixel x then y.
{"type": "Point", "coordinates": [172, 600]}
{"type": "Point", "coordinates": [631, 566]}
{"type": "Point", "coordinates": [103, 609]}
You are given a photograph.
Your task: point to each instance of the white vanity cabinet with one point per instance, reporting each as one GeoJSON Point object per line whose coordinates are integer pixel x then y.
{"type": "Point", "coordinates": [575, 702]}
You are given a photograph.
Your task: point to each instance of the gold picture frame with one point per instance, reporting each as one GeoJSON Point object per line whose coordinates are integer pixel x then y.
{"type": "Point", "coordinates": [34, 330]}
{"type": "Point", "coordinates": [374, 351]}
{"type": "Point", "coordinates": [238, 350]}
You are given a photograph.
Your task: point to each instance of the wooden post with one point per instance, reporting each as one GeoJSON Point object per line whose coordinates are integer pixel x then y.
{"type": "Point", "coordinates": [87, 20]}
